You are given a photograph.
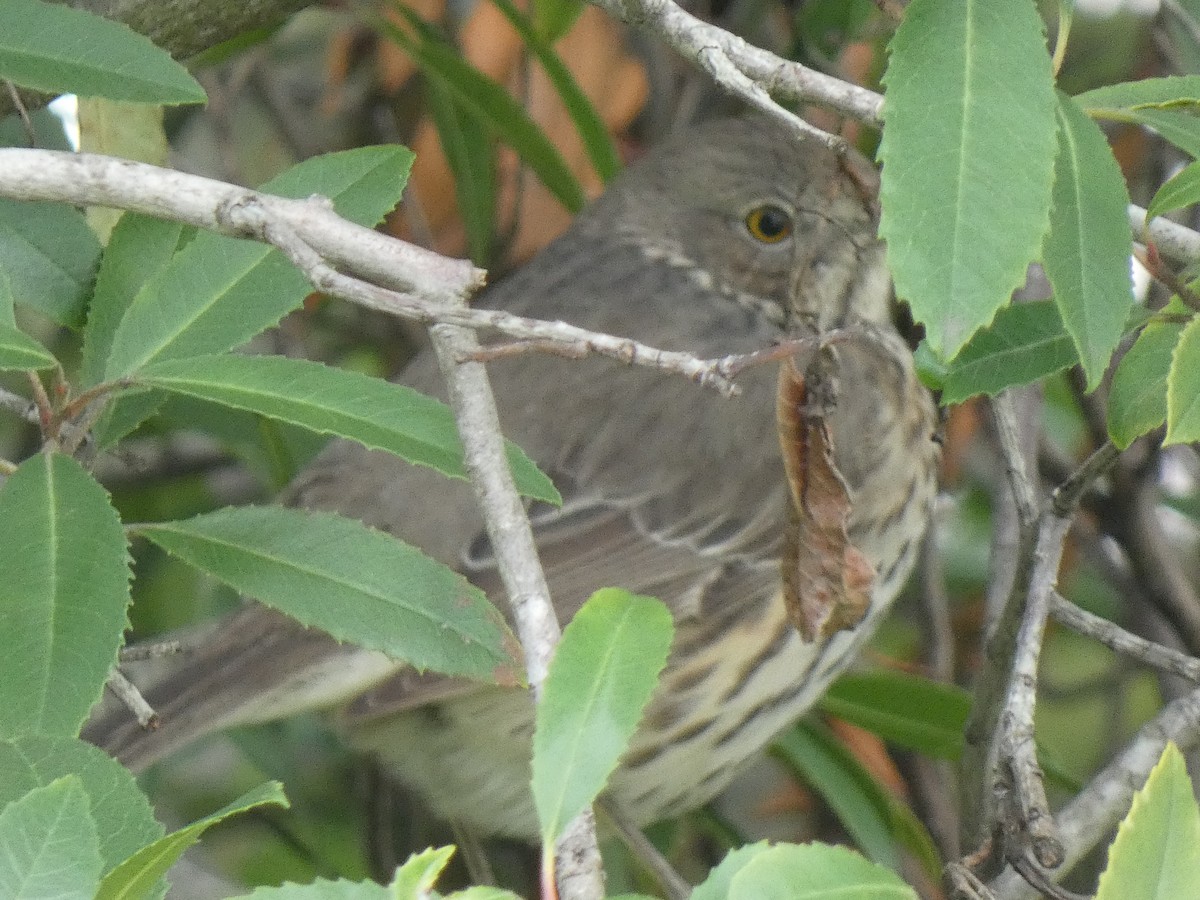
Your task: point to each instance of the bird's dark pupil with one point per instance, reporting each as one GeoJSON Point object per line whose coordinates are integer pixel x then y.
{"type": "Point", "coordinates": [772, 221]}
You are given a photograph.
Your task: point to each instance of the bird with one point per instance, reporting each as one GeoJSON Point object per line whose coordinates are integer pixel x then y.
{"type": "Point", "coordinates": [731, 237]}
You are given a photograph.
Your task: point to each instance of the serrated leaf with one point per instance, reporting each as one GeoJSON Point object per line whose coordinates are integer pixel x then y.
{"type": "Point", "coordinates": [600, 679]}
{"type": "Point", "coordinates": [323, 889]}
{"type": "Point", "coordinates": [1157, 849]}
{"type": "Point", "coordinates": [50, 257]}
{"type": "Point", "coordinates": [716, 885]}
{"type": "Point", "coordinates": [968, 159]}
{"type": "Point", "coordinates": [1182, 189]}
{"type": "Point", "coordinates": [64, 591]}
{"type": "Point", "coordinates": [19, 351]}
{"type": "Point", "coordinates": [219, 292]}
{"type": "Point", "coordinates": [816, 872]}
{"type": "Point", "coordinates": [48, 844]}
{"type": "Point", "coordinates": [871, 814]}
{"type": "Point", "coordinates": [1183, 387]}
{"type": "Point", "coordinates": [1024, 343]}
{"type": "Point", "coordinates": [138, 248]}
{"type": "Point", "coordinates": [121, 811]}
{"type": "Point", "coordinates": [1137, 399]}
{"type": "Point", "coordinates": [552, 19]}
{"type": "Point", "coordinates": [912, 712]}
{"type": "Point", "coordinates": [420, 872]}
{"type": "Point", "coordinates": [54, 48]}
{"type": "Point", "coordinates": [1088, 247]}
{"type": "Point", "coordinates": [358, 584]}
{"type": "Point", "coordinates": [137, 875]}
{"type": "Point", "coordinates": [1161, 93]}
{"type": "Point", "coordinates": [376, 413]}
{"type": "Point", "coordinates": [490, 103]}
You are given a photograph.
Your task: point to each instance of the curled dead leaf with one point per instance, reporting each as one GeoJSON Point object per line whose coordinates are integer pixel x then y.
{"type": "Point", "coordinates": [827, 581]}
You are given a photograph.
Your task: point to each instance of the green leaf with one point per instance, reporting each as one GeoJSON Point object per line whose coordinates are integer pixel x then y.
{"type": "Point", "coordinates": [1024, 343]}
{"type": "Point", "coordinates": [64, 590]}
{"type": "Point", "coordinates": [1183, 189]}
{"type": "Point", "coordinates": [376, 413]}
{"type": "Point", "coordinates": [358, 584]}
{"type": "Point", "coordinates": [815, 872]}
{"type": "Point", "coordinates": [554, 18]}
{"type": "Point", "coordinates": [1183, 387]}
{"type": "Point", "coordinates": [50, 257]}
{"type": "Point", "coordinates": [870, 813]}
{"type": "Point", "coordinates": [1158, 93]}
{"type": "Point", "coordinates": [1157, 849]}
{"type": "Point", "coordinates": [219, 292]}
{"type": "Point", "coordinates": [903, 709]}
{"type": "Point", "coordinates": [323, 889]}
{"type": "Point", "coordinates": [137, 875]}
{"type": "Point", "coordinates": [1087, 251]}
{"type": "Point", "coordinates": [600, 679]}
{"type": "Point", "coordinates": [48, 844]}
{"type": "Point", "coordinates": [54, 48]}
{"type": "Point", "coordinates": [968, 160]}
{"type": "Point", "coordinates": [495, 893]}
{"type": "Point", "coordinates": [596, 141]}
{"type": "Point", "coordinates": [716, 885]}
{"type": "Point", "coordinates": [490, 103]}
{"type": "Point", "coordinates": [138, 248]}
{"type": "Point", "coordinates": [420, 872]}
{"type": "Point", "coordinates": [1137, 399]}
{"type": "Point", "coordinates": [470, 152]}
{"type": "Point", "coordinates": [1180, 128]}
{"type": "Point", "coordinates": [19, 351]}
{"type": "Point", "coordinates": [121, 811]}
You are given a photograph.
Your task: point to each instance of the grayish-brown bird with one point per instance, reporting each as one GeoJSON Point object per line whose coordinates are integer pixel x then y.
{"type": "Point", "coordinates": [724, 240]}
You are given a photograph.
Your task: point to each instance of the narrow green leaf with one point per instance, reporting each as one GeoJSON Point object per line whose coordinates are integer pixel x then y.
{"type": "Point", "coordinates": [1087, 251]}
{"type": "Point", "coordinates": [122, 813]}
{"type": "Point", "coordinates": [1024, 343]}
{"type": "Point", "coordinates": [48, 845]}
{"type": "Point", "coordinates": [54, 48]}
{"type": "Point", "coordinates": [828, 768]}
{"type": "Point", "coordinates": [1137, 399]}
{"type": "Point", "coordinates": [50, 256]}
{"type": "Point", "coordinates": [137, 875]}
{"type": "Point", "coordinates": [219, 292]}
{"type": "Point", "coordinates": [903, 709]}
{"type": "Point", "coordinates": [816, 872]}
{"type": "Point", "coordinates": [554, 18]}
{"type": "Point", "coordinates": [490, 103]}
{"type": "Point", "coordinates": [716, 885]}
{"type": "Point", "coordinates": [1183, 387]}
{"type": "Point", "coordinates": [138, 249]}
{"type": "Point", "coordinates": [374, 412]}
{"type": "Point", "coordinates": [8, 315]}
{"type": "Point", "coordinates": [870, 813]}
{"type": "Point", "coordinates": [1159, 93]}
{"type": "Point", "coordinates": [64, 590]}
{"type": "Point", "coordinates": [1157, 850]}
{"type": "Point", "coordinates": [19, 351]}
{"type": "Point", "coordinates": [1182, 189]}
{"type": "Point", "coordinates": [1179, 128]}
{"type": "Point", "coordinates": [600, 679]}
{"type": "Point", "coordinates": [470, 152]}
{"type": "Point", "coordinates": [968, 160]}
{"type": "Point", "coordinates": [539, 37]}
{"type": "Point", "coordinates": [358, 584]}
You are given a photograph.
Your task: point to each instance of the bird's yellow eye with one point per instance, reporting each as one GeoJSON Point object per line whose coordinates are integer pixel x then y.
{"type": "Point", "coordinates": [769, 223]}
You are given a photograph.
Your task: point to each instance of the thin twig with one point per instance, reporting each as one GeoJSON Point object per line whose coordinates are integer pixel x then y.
{"type": "Point", "coordinates": [126, 691]}
{"type": "Point", "coordinates": [1116, 638]}
{"type": "Point", "coordinates": [673, 885]}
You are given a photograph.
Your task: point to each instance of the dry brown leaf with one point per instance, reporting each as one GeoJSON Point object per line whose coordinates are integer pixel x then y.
{"type": "Point", "coordinates": [827, 581]}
